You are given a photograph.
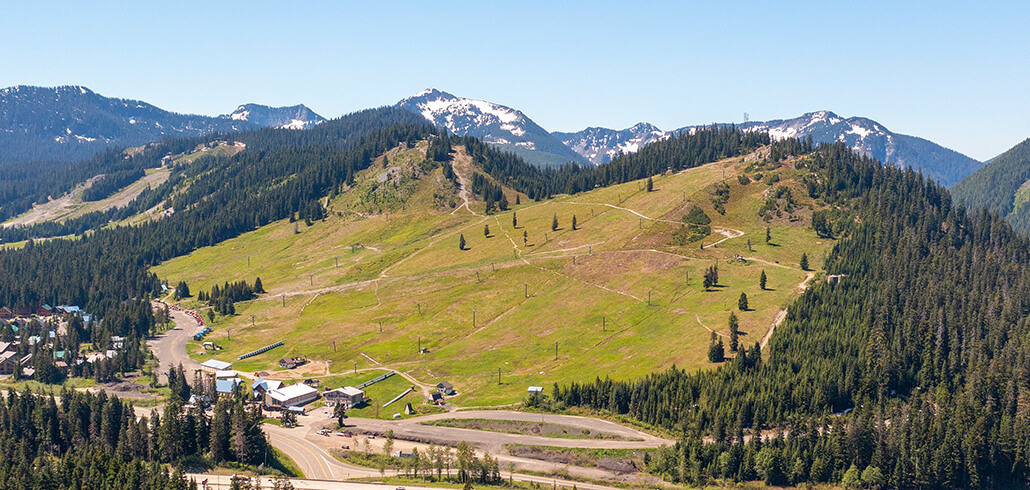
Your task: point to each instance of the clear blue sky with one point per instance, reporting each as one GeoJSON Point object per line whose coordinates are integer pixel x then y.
{"type": "Point", "coordinates": [953, 72]}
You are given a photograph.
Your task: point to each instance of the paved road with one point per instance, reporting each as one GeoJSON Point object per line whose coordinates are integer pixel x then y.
{"type": "Point", "coordinates": [225, 481]}
{"type": "Point", "coordinates": [310, 452]}
{"type": "Point", "coordinates": [170, 347]}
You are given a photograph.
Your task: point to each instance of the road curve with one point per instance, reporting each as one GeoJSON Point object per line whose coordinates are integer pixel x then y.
{"type": "Point", "coordinates": [170, 347]}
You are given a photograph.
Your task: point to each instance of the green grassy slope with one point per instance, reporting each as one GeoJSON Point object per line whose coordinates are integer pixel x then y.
{"type": "Point", "coordinates": [388, 254]}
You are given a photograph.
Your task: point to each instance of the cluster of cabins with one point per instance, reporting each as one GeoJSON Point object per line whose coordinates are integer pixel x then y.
{"type": "Point", "coordinates": [21, 317]}
{"type": "Point", "coordinates": [10, 360]}
{"type": "Point", "coordinates": [43, 311]}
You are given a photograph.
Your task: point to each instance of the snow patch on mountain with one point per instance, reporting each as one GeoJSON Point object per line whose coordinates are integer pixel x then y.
{"type": "Point", "coordinates": [498, 125]}
{"type": "Point", "coordinates": [601, 145]}
{"type": "Point", "coordinates": [292, 117]}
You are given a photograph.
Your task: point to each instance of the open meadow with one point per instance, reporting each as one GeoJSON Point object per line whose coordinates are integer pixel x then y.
{"type": "Point", "coordinates": [523, 305]}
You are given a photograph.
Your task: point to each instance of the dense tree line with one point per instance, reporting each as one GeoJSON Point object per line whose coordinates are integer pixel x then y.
{"type": "Point", "coordinates": [86, 439]}
{"type": "Point", "coordinates": [222, 298]}
{"type": "Point", "coordinates": [686, 150]}
{"type": "Point", "coordinates": [928, 389]}
{"type": "Point", "coordinates": [106, 185]}
{"type": "Point", "coordinates": [489, 192]}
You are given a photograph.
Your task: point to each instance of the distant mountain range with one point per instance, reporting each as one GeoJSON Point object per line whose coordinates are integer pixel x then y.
{"type": "Point", "coordinates": [503, 127]}
{"type": "Point", "coordinates": [601, 145]}
{"type": "Point", "coordinates": [73, 123]}
{"type": "Point", "coordinates": [293, 117]}
{"type": "Point", "coordinates": [510, 129]}
{"type": "Point", "coordinates": [872, 138]}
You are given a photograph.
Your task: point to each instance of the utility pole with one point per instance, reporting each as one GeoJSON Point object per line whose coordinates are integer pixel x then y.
{"type": "Point", "coordinates": [473, 318]}
{"type": "Point", "coordinates": [355, 367]}
{"type": "Point", "coordinates": [648, 297]}
{"type": "Point", "coordinates": [556, 351]}
{"type": "Point", "coordinates": [284, 301]}
{"type": "Point", "coordinates": [477, 276]}
{"type": "Point", "coordinates": [228, 334]}
{"type": "Point", "coordinates": [526, 287]}
{"type": "Point", "coordinates": [498, 375]}
{"type": "Point", "coordinates": [419, 344]}
{"type": "Point", "coordinates": [419, 306]}
{"type": "Point", "coordinates": [252, 320]}
{"type": "Point", "coordinates": [312, 278]}
{"type": "Point", "coordinates": [380, 326]}
{"type": "Point", "coordinates": [334, 346]}
{"type": "Point", "coordinates": [604, 323]}
{"type": "Point", "coordinates": [337, 261]}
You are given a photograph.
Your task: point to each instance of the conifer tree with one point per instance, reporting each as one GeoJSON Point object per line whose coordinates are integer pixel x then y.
{"type": "Point", "coordinates": [761, 280]}
{"type": "Point", "coordinates": [514, 220]}
{"type": "Point", "coordinates": [461, 242]}
{"type": "Point", "coordinates": [650, 184]}
{"type": "Point", "coordinates": [573, 222]}
{"type": "Point", "coordinates": [258, 287]}
{"type": "Point", "coordinates": [734, 332]}
{"type": "Point", "coordinates": [768, 235]}
{"type": "Point", "coordinates": [742, 302]}
{"type": "Point", "coordinates": [804, 261]}
{"type": "Point", "coordinates": [554, 222]}
{"type": "Point", "coordinates": [486, 230]}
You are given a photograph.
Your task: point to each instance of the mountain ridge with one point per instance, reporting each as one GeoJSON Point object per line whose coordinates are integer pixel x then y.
{"type": "Point", "coordinates": [501, 126]}
{"type": "Point", "coordinates": [72, 122]}
{"type": "Point", "coordinates": [861, 133]}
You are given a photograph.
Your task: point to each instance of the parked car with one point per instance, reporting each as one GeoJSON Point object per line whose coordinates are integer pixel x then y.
{"type": "Point", "coordinates": [344, 447]}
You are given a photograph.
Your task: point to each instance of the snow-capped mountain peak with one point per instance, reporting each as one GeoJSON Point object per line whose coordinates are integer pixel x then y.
{"type": "Point", "coordinates": [293, 117]}
{"type": "Point", "coordinates": [601, 145]}
{"type": "Point", "coordinates": [501, 126]}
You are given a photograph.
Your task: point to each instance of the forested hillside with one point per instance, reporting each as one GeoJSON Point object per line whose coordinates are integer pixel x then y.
{"type": "Point", "coordinates": [1001, 186]}
{"type": "Point", "coordinates": [866, 381]}
{"type": "Point", "coordinates": [284, 173]}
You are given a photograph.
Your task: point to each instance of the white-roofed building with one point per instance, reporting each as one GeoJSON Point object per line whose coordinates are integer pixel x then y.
{"type": "Point", "coordinates": [216, 365]}
{"type": "Point", "coordinates": [291, 396]}
{"type": "Point", "coordinates": [229, 373]}
{"type": "Point", "coordinates": [349, 396]}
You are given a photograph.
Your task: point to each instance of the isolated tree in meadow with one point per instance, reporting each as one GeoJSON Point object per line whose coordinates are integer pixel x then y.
{"type": "Point", "coordinates": [734, 332]}
{"type": "Point", "coordinates": [554, 222]}
{"type": "Point", "coordinates": [486, 231]}
{"type": "Point", "coordinates": [761, 280]}
{"type": "Point", "coordinates": [804, 261]}
{"type": "Point", "coordinates": [749, 249]}
{"type": "Point", "coordinates": [461, 242]}
{"type": "Point", "coordinates": [573, 222]}
{"type": "Point", "coordinates": [650, 184]}
{"type": "Point", "coordinates": [742, 302]}
{"type": "Point", "coordinates": [768, 236]}
{"type": "Point", "coordinates": [518, 200]}
{"type": "Point", "coordinates": [258, 287]}
{"type": "Point", "coordinates": [525, 237]}
{"type": "Point", "coordinates": [514, 220]}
